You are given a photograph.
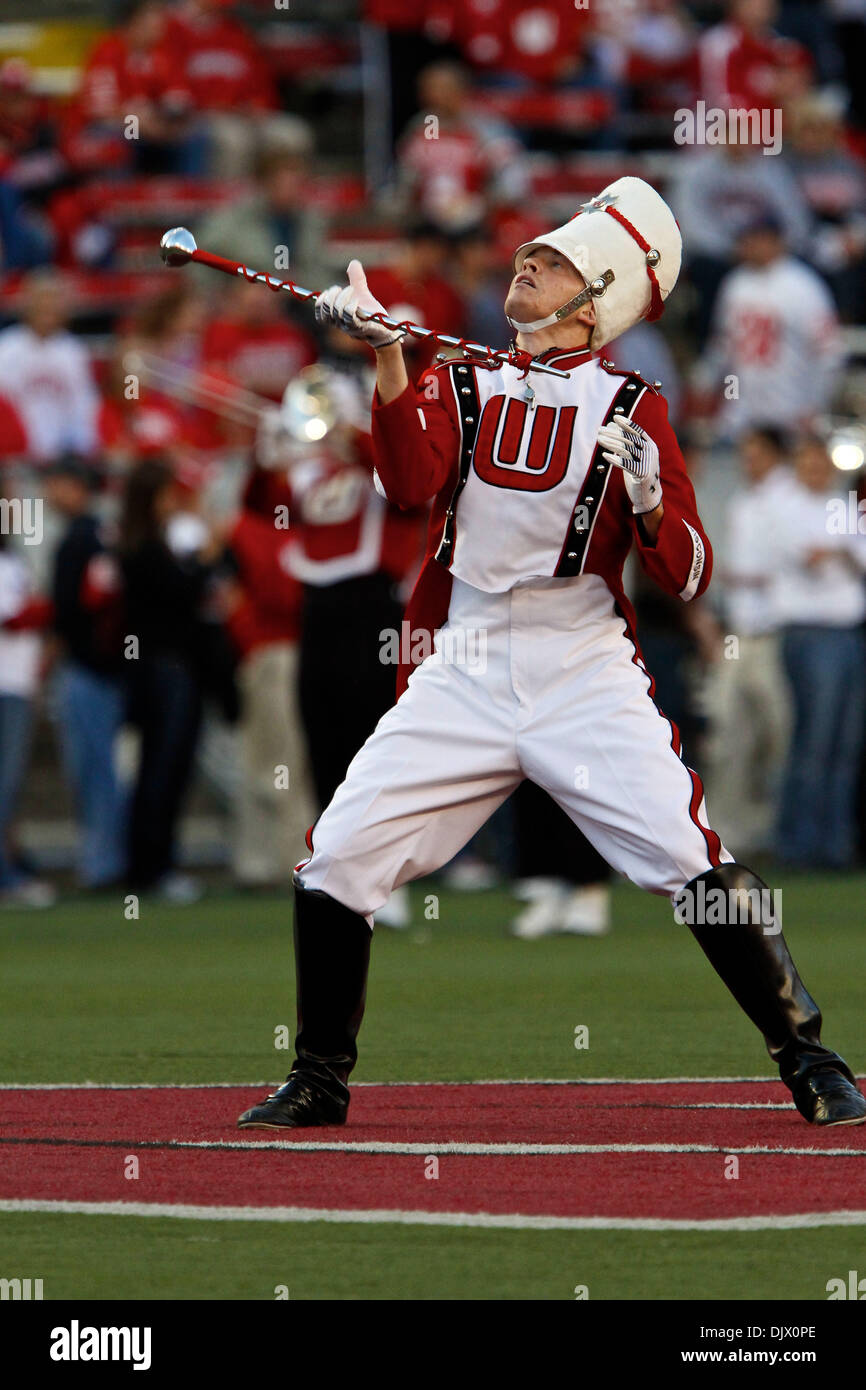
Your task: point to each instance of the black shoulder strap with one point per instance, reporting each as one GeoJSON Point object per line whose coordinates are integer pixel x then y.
{"type": "Point", "coordinates": [588, 501]}
{"type": "Point", "coordinates": [466, 395]}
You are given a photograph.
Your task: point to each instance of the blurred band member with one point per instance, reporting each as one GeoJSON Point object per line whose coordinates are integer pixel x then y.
{"type": "Point", "coordinates": [352, 552]}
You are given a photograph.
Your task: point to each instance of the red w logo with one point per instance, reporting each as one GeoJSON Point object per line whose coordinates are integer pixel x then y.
{"type": "Point", "coordinates": [544, 464]}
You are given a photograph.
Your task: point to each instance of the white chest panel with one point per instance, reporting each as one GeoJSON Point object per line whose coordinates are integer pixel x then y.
{"type": "Point", "coordinates": [528, 466]}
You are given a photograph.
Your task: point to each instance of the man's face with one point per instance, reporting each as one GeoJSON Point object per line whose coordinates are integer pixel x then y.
{"type": "Point", "coordinates": [754, 15]}
{"type": "Point", "coordinates": [441, 89]}
{"type": "Point", "coordinates": [760, 247]}
{"type": "Point", "coordinates": [758, 458]}
{"type": "Point", "coordinates": [814, 467]}
{"type": "Point", "coordinates": [285, 185]}
{"type": "Point", "coordinates": [423, 256]}
{"type": "Point", "coordinates": [47, 309]}
{"type": "Point", "coordinates": [66, 494]}
{"type": "Point", "coordinates": [544, 282]}
{"type": "Point", "coordinates": [146, 27]}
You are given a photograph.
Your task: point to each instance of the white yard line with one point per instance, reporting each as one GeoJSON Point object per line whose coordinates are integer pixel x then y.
{"type": "Point", "coordinates": [469, 1149]}
{"type": "Point", "coordinates": [484, 1220]}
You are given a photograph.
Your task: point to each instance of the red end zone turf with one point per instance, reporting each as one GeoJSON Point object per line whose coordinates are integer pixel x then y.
{"type": "Point", "coordinates": [593, 1151]}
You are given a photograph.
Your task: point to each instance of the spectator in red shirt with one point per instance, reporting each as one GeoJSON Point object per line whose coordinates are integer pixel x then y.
{"type": "Point", "coordinates": [540, 42]}
{"type": "Point", "coordinates": [743, 62]}
{"type": "Point", "coordinates": [451, 160]}
{"type": "Point", "coordinates": [254, 345]}
{"type": "Point", "coordinates": [127, 111]}
{"type": "Point", "coordinates": [653, 52]}
{"type": "Point", "coordinates": [413, 287]}
{"type": "Point", "coordinates": [223, 75]}
{"type": "Point", "coordinates": [28, 135]}
{"type": "Point", "coordinates": [31, 169]}
{"type": "Point", "coordinates": [137, 420]}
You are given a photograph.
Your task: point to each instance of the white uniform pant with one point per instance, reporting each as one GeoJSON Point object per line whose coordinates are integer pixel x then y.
{"type": "Point", "coordinates": [540, 682]}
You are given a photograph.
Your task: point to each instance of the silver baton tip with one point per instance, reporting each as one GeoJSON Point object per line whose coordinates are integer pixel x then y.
{"type": "Point", "coordinates": [176, 246]}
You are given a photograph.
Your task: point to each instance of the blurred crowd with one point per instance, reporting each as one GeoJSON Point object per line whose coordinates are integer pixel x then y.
{"type": "Point", "coordinates": [208, 555]}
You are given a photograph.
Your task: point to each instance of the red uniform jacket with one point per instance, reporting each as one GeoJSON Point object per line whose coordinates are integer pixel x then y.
{"type": "Point", "coordinates": [416, 463]}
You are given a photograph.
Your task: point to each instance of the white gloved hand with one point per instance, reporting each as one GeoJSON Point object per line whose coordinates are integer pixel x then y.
{"type": "Point", "coordinates": [342, 305]}
{"type": "Point", "coordinates": [630, 448]}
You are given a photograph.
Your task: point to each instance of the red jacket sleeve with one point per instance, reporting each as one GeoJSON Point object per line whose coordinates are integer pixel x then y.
{"type": "Point", "coordinates": [681, 558]}
{"type": "Point", "coordinates": [416, 440]}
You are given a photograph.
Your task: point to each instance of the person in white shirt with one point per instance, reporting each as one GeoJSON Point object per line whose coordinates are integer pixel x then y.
{"type": "Point", "coordinates": [718, 192]}
{"type": "Point", "coordinates": [749, 710]}
{"type": "Point", "coordinates": [818, 597]}
{"type": "Point", "coordinates": [20, 655]}
{"type": "Point", "coordinates": [774, 352]}
{"type": "Point", "coordinates": [46, 373]}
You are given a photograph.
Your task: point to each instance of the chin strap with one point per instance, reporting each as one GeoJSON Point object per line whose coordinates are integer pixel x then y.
{"type": "Point", "coordinates": [593, 291]}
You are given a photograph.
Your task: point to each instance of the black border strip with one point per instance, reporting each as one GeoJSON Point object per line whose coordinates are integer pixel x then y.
{"type": "Point", "coordinates": [468, 409]}
{"type": "Point", "coordinates": [592, 490]}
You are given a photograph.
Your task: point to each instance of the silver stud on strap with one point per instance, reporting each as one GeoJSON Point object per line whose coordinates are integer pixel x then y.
{"type": "Point", "coordinates": [653, 257]}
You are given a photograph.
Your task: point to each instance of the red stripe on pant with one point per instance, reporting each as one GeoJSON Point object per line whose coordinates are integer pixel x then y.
{"type": "Point", "coordinates": [711, 839]}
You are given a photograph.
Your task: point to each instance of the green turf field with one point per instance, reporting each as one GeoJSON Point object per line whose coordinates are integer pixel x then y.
{"type": "Point", "coordinates": [196, 994]}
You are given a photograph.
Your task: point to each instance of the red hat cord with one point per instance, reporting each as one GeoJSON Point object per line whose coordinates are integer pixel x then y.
{"type": "Point", "coordinates": [656, 308]}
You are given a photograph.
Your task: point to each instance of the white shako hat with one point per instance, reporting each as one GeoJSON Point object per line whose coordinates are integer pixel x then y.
{"type": "Point", "coordinates": [627, 246]}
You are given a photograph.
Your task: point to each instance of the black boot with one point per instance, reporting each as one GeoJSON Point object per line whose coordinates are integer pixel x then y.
{"type": "Point", "coordinates": [332, 955]}
{"type": "Point", "coordinates": [757, 968]}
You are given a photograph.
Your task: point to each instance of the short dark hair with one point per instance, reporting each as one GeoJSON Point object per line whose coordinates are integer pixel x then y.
{"type": "Point", "coordinates": [771, 435]}
{"type": "Point", "coordinates": [84, 471]}
{"type": "Point", "coordinates": [130, 9]}
{"type": "Point", "coordinates": [424, 229]}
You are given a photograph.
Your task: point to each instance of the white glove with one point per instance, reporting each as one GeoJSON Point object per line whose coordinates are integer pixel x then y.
{"type": "Point", "coordinates": [636, 453]}
{"type": "Point", "coordinates": [340, 306]}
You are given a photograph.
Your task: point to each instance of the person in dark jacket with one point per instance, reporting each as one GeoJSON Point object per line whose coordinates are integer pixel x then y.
{"type": "Point", "coordinates": [166, 558]}
{"type": "Point", "coordinates": [89, 690]}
